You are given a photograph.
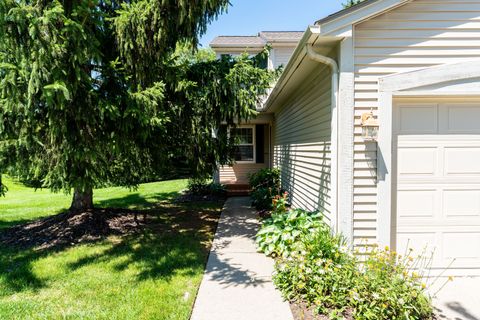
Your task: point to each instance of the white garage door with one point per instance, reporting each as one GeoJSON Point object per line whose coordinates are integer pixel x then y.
{"type": "Point", "coordinates": [438, 182]}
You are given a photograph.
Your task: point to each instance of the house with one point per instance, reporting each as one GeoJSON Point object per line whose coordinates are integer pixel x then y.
{"type": "Point", "coordinates": [256, 152]}
{"type": "Point", "coordinates": [414, 65]}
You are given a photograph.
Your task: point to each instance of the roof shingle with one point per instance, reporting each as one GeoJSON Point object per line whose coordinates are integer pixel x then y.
{"type": "Point", "coordinates": [252, 41]}
{"type": "Point", "coordinates": [259, 40]}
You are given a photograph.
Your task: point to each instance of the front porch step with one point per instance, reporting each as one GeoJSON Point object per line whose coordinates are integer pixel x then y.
{"type": "Point", "coordinates": [238, 190]}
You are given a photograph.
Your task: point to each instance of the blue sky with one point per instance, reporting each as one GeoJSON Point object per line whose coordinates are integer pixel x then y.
{"type": "Point", "coordinates": [248, 17]}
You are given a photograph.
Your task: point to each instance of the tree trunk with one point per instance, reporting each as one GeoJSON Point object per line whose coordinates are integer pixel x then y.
{"type": "Point", "coordinates": [82, 200]}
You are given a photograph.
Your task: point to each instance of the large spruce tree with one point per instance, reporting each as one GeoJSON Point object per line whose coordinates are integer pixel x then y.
{"type": "Point", "coordinates": [92, 92]}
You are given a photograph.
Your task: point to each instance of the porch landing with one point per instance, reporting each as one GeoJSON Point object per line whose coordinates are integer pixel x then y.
{"type": "Point", "coordinates": [237, 283]}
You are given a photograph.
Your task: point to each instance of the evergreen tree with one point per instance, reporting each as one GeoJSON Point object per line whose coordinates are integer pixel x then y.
{"type": "Point", "coordinates": [92, 92]}
{"type": "Point", "coordinates": [351, 3]}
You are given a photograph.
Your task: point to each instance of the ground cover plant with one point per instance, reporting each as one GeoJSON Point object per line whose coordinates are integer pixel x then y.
{"type": "Point", "coordinates": [265, 185]}
{"type": "Point", "coordinates": [318, 272]}
{"type": "Point", "coordinates": [282, 231]}
{"type": "Point", "coordinates": [142, 258]}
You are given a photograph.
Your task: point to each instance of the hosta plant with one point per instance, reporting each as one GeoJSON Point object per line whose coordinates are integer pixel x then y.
{"type": "Point", "coordinates": [281, 233]}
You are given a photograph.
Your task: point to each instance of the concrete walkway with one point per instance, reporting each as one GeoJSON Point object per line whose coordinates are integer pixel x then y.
{"type": "Point", "coordinates": [237, 283]}
{"type": "Point", "coordinates": [459, 299]}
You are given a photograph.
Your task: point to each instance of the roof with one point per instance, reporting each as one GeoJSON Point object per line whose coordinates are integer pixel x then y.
{"type": "Point", "coordinates": [244, 41]}
{"type": "Point", "coordinates": [346, 11]}
{"type": "Point", "coordinates": [260, 40]}
{"type": "Point", "coordinates": [281, 36]}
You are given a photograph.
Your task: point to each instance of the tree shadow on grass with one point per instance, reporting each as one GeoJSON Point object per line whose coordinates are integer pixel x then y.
{"type": "Point", "coordinates": [172, 239]}
{"type": "Point", "coordinates": [154, 256]}
{"type": "Point", "coordinates": [7, 224]}
{"type": "Point", "coordinates": [16, 274]}
{"type": "Point", "coordinates": [136, 201]}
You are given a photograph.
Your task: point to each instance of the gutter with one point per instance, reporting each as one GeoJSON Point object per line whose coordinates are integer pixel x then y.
{"type": "Point", "coordinates": [333, 65]}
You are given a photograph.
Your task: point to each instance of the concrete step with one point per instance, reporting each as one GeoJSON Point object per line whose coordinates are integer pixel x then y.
{"type": "Point", "coordinates": [238, 190]}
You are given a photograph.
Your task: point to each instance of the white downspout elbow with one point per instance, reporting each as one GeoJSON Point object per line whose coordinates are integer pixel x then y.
{"type": "Point", "coordinates": [333, 65]}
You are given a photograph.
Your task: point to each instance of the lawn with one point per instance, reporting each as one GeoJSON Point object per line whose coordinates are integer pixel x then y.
{"type": "Point", "coordinates": [22, 204]}
{"type": "Point", "coordinates": [152, 272]}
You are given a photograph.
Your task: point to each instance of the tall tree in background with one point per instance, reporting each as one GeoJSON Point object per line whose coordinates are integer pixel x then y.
{"type": "Point", "coordinates": [92, 92]}
{"type": "Point", "coordinates": [351, 3]}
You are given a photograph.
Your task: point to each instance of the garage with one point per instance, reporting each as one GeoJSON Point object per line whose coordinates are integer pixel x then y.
{"type": "Point", "coordinates": [436, 182]}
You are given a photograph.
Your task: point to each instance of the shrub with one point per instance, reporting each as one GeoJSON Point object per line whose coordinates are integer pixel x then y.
{"type": "Point", "coordinates": [203, 187]}
{"type": "Point", "coordinates": [265, 185]}
{"type": "Point", "coordinates": [316, 267]}
{"type": "Point", "coordinates": [320, 273]}
{"type": "Point", "coordinates": [327, 276]}
{"type": "Point", "coordinates": [389, 287]}
{"type": "Point", "coordinates": [265, 178]}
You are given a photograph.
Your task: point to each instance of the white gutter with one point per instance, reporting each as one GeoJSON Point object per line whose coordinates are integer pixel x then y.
{"type": "Point", "coordinates": [333, 65]}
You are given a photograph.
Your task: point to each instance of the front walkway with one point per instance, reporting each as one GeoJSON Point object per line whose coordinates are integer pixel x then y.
{"type": "Point", "coordinates": [237, 283]}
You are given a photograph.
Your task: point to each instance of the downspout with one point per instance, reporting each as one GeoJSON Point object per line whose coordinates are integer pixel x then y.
{"type": "Point", "coordinates": [333, 65]}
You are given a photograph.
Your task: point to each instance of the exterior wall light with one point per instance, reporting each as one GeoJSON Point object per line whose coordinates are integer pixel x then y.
{"type": "Point", "coordinates": [369, 127]}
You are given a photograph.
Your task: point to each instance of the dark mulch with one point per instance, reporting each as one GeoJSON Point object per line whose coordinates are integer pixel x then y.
{"type": "Point", "coordinates": [301, 311]}
{"type": "Point", "coordinates": [69, 228]}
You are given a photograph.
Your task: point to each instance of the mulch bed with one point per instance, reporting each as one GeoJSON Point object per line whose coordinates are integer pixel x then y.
{"type": "Point", "coordinates": [301, 311]}
{"type": "Point", "coordinates": [70, 228]}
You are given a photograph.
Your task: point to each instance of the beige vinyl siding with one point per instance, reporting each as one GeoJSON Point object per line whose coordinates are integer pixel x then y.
{"type": "Point", "coordinates": [302, 143]}
{"type": "Point", "coordinates": [417, 35]}
{"type": "Point", "coordinates": [239, 172]}
{"type": "Point", "coordinates": [282, 56]}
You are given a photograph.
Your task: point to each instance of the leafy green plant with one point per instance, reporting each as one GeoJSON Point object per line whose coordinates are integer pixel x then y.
{"type": "Point", "coordinates": [317, 267]}
{"type": "Point", "coordinates": [319, 273]}
{"type": "Point", "coordinates": [324, 273]}
{"type": "Point", "coordinates": [204, 187]}
{"type": "Point", "coordinates": [280, 234]}
{"type": "Point", "coordinates": [265, 186]}
{"type": "Point", "coordinates": [265, 178]}
{"type": "Point", "coordinates": [389, 287]}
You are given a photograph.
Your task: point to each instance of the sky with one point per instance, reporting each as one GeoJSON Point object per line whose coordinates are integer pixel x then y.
{"type": "Point", "coordinates": [248, 17]}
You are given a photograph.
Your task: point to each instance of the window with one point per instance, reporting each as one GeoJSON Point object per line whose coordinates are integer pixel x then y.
{"type": "Point", "coordinates": [244, 143]}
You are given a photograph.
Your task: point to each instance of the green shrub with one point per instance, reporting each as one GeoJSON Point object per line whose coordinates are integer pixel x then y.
{"type": "Point", "coordinates": [320, 273]}
{"type": "Point", "coordinates": [280, 234]}
{"type": "Point", "coordinates": [326, 275]}
{"type": "Point", "coordinates": [265, 178]}
{"type": "Point", "coordinates": [388, 287]}
{"type": "Point", "coordinates": [317, 267]}
{"type": "Point", "coordinates": [203, 187]}
{"type": "Point", "coordinates": [265, 185]}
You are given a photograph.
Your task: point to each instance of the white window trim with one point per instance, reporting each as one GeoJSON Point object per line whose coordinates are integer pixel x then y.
{"type": "Point", "coordinates": [254, 142]}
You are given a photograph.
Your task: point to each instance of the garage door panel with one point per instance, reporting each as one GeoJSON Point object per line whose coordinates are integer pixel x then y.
{"type": "Point", "coordinates": [417, 203]}
{"type": "Point", "coordinates": [462, 160]}
{"type": "Point", "coordinates": [456, 119]}
{"type": "Point", "coordinates": [461, 203]}
{"type": "Point", "coordinates": [419, 242]}
{"type": "Point", "coordinates": [408, 163]}
{"type": "Point", "coordinates": [438, 183]}
{"type": "Point", "coordinates": [417, 119]}
{"type": "Point", "coordinates": [461, 246]}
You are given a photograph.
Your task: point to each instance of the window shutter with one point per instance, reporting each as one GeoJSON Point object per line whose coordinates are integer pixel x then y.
{"type": "Point", "coordinates": [260, 143]}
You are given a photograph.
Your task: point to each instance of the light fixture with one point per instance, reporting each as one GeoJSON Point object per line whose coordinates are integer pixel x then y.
{"type": "Point", "coordinates": [369, 127]}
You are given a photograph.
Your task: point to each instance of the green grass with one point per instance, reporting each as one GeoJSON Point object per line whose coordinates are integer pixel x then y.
{"type": "Point", "coordinates": [23, 204]}
{"type": "Point", "coordinates": [154, 274]}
